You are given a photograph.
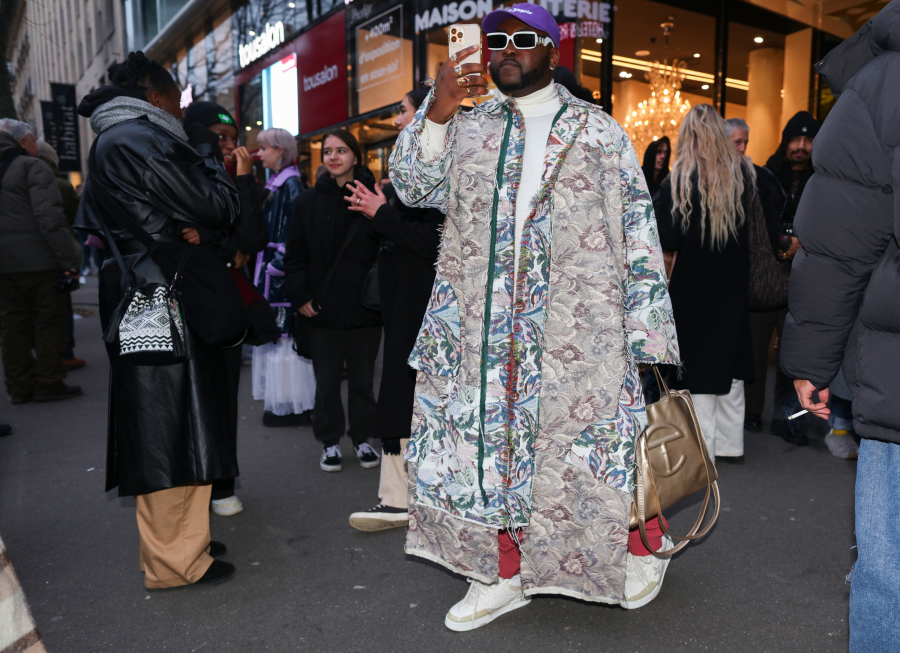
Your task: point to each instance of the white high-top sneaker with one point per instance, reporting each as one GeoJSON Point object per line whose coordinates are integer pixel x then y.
{"type": "Point", "coordinates": [644, 577]}
{"type": "Point", "coordinates": [484, 603]}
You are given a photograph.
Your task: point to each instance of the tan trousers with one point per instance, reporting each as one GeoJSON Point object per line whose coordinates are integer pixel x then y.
{"type": "Point", "coordinates": [174, 531]}
{"type": "Point", "coordinates": [392, 487]}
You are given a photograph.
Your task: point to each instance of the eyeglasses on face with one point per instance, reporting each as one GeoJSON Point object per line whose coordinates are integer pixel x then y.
{"type": "Point", "coordinates": [521, 40]}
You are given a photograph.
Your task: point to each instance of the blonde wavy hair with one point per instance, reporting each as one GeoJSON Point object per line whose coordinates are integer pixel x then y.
{"type": "Point", "coordinates": [704, 149]}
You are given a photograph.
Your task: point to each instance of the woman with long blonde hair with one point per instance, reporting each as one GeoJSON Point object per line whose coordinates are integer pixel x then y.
{"type": "Point", "coordinates": [702, 212]}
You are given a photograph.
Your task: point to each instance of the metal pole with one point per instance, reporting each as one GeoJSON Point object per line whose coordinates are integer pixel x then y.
{"type": "Point", "coordinates": [606, 66]}
{"type": "Point", "coordinates": [721, 54]}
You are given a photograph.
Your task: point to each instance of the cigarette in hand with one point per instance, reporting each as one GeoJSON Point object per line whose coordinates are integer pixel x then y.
{"type": "Point", "coordinates": [796, 415]}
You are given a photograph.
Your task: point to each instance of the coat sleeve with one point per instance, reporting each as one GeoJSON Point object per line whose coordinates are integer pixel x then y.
{"type": "Point", "coordinates": [422, 237]}
{"type": "Point", "coordinates": [46, 202]}
{"type": "Point", "coordinates": [831, 272]}
{"type": "Point", "coordinates": [296, 257]}
{"type": "Point", "coordinates": [251, 233]}
{"type": "Point", "coordinates": [417, 180]}
{"type": "Point", "coordinates": [649, 323]}
{"type": "Point", "coordinates": [181, 184]}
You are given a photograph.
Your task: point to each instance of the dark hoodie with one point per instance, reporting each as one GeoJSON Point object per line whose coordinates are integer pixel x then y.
{"type": "Point", "coordinates": [843, 300]}
{"type": "Point", "coordinates": [321, 221]}
{"type": "Point", "coordinates": [792, 181]}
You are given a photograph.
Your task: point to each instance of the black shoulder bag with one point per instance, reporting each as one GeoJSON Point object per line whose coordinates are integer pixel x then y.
{"type": "Point", "coordinates": [209, 297]}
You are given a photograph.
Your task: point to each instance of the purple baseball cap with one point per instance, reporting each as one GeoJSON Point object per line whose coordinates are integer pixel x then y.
{"type": "Point", "coordinates": [532, 15]}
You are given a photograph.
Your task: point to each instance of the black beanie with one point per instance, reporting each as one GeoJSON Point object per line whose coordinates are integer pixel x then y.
{"type": "Point", "coordinates": [802, 124]}
{"type": "Point", "coordinates": [207, 113]}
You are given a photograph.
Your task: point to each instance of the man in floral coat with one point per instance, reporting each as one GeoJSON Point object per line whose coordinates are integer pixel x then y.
{"type": "Point", "coordinates": [550, 291]}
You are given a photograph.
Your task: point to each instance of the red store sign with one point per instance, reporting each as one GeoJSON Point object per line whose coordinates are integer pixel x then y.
{"type": "Point", "coordinates": [321, 61]}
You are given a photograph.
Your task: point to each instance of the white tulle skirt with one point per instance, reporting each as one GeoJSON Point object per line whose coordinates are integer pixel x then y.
{"type": "Point", "coordinates": [283, 380]}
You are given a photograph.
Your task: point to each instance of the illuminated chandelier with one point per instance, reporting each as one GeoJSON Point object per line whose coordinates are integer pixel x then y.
{"type": "Point", "coordinates": [662, 114]}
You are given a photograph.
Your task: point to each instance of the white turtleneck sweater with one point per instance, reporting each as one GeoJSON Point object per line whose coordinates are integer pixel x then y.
{"type": "Point", "coordinates": [538, 110]}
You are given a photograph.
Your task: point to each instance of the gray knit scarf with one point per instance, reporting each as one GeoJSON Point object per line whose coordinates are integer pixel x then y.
{"type": "Point", "coordinates": [124, 108]}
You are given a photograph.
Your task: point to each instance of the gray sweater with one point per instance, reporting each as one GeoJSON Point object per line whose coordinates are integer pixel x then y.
{"type": "Point", "coordinates": [34, 234]}
{"type": "Point", "coordinates": [845, 281]}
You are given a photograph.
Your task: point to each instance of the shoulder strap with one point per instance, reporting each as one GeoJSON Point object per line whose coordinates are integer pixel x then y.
{"type": "Point", "coordinates": [6, 162]}
{"type": "Point", "coordinates": [327, 283]}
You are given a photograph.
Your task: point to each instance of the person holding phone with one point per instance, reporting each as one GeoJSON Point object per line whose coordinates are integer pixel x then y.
{"type": "Point", "coordinates": [328, 255]}
{"type": "Point", "coordinates": [528, 396]}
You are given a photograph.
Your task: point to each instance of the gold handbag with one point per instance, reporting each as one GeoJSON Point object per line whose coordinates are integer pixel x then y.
{"type": "Point", "coordinates": [672, 463]}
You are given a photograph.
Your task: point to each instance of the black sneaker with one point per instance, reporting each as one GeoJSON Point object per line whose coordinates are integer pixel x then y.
{"type": "Point", "coordinates": [753, 422]}
{"type": "Point", "coordinates": [368, 457]}
{"type": "Point", "coordinates": [789, 432]}
{"type": "Point", "coordinates": [379, 518]}
{"type": "Point", "coordinates": [218, 571]}
{"type": "Point", "coordinates": [57, 392]}
{"type": "Point", "coordinates": [331, 459]}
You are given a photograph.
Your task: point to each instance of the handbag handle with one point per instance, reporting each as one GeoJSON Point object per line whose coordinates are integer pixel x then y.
{"type": "Point", "coordinates": [643, 484]}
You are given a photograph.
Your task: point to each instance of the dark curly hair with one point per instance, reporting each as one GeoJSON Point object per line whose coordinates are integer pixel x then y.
{"type": "Point", "coordinates": [138, 72]}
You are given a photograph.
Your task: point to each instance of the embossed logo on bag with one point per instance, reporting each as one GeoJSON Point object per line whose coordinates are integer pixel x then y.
{"type": "Point", "coordinates": [663, 444]}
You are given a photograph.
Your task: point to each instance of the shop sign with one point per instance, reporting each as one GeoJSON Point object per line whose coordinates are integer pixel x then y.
{"type": "Point", "coordinates": [61, 126]}
{"type": "Point", "coordinates": [265, 42]}
{"type": "Point", "coordinates": [578, 10]}
{"type": "Point", "coordinates": [379, 38]}
{"type": "Point", "coordinates": [322, 73]}
{"type": "Point", "coordinates": [452, 12]}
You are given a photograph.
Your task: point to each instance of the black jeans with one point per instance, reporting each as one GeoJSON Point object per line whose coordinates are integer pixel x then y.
{"type": "Point", "coordinates": [223, 488]}
{"type": "Point", "coordinates": [34, 317]}
{"type": "Point", "coordinates": [762, 323]}
{"type": "Point", "coordinates": [331, 348]}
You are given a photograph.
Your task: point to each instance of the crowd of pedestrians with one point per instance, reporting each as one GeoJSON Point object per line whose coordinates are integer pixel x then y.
{"type": "Point", "coordinates": [520, 308]}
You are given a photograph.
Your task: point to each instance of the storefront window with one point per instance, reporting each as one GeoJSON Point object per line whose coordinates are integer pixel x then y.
{"type": "Point", "coordinates": [651, 32]}
{"type": "Point", "coordinates": [380, 54]}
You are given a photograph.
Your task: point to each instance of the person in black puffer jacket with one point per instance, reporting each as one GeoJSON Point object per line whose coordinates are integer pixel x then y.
{"type": "Point", "coordinates": [844, 303]}
{"type": "Point", "coordinates": [406, 268]}
{"type": "Point", "coordinates": [168, 425]}
{"type": "Point", "coordinates": [324, 282]}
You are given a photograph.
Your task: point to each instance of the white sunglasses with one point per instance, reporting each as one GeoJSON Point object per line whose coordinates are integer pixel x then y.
{"type": "Point", "coordinates": [521, 40]}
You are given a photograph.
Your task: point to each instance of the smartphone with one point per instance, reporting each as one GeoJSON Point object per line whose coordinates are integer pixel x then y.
{"type": "Point", "coordinates": [462, 36]}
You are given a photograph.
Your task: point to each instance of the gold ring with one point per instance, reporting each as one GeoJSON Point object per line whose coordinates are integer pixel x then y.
{"type": "Point", "coordinates": [458, 69]}
{"type": "Point", "coordinates": [462, 82]}
{"type": "Point", "coordinates": [468, 92]}
{"type": "Point", "coordinates": [453, 57]}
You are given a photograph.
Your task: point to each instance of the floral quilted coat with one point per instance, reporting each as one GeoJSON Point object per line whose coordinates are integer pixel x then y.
{"type": "Point", "coordinates": [527, 411]}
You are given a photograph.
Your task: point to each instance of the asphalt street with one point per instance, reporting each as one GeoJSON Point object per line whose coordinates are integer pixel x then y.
{"type": "Point", "coordinates": [770, 577]}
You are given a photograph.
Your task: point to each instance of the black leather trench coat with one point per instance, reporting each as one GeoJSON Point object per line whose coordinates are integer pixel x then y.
{"type": "Point", "coordinates": [168, 425]}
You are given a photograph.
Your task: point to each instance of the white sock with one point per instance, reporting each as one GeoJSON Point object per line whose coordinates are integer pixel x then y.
{"type": "Point", "coordinates": [516, 581]}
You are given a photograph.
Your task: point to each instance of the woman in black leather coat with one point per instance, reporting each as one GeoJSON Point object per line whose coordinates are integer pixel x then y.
{"type": "Point", "coordinates": [406, 268]}
{"type": "Point", "coordinates": [168, 425]}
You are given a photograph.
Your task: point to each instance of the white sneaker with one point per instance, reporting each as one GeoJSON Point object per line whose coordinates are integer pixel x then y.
{"type": "Point", "coordinates": [644, 577]}
{"type": "Point", "coordinates": [842, 445]}
{"type": "Point", "coordinates": [484, 603]}
{"type": "Point", "coordinates": [226, 507]}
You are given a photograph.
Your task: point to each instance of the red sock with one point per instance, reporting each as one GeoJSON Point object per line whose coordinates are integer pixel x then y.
{"type": "Point", "coordinates": [510, 558]}
{"type": "Point", "coordinates": [654, 537]}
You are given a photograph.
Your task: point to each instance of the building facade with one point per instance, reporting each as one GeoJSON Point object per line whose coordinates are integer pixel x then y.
{"type": "Point", "coordinates": [69, 42]}
{"type": "Point", "coordinates": [312, 65]}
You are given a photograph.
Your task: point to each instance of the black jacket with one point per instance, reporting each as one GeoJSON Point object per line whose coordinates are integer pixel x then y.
{"type": "Point", "coordinates": [406, 269]}
{"type": "Point", "coordinates": [844, 307]}
{"type": "Point", "coordinates": [167, 424]}
{"type": "Point", "coordinates": [320, 223]}
{"type": "Point", "coordinates": [709, 298]}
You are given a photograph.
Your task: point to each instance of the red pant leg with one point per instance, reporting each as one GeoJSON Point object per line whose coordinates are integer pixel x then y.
{"type": "Point", "coordinates": [510, 558]}
{"type": "Point", "coordinates": [654, 537]}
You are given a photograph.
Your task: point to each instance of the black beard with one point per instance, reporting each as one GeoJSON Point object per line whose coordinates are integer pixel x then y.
{"type": "Point", "coordinates": [529, 77]}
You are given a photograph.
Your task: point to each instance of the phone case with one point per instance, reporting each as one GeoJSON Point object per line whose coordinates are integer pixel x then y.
{"type": "Point", "coordinates": [461, 36]}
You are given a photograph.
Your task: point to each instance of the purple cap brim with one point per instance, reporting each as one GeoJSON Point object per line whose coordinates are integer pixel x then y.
{"type": "Point", "coordinates": [535, 16]}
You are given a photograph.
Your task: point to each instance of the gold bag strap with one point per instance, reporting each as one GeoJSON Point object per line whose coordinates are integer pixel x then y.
{"type": "Point", "coordinates": [643, 485]}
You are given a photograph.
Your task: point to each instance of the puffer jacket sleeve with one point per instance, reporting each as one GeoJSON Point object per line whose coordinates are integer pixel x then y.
{"type": "Point", "coordinates": [46, 202]}
{"type": "Point", "coordinates": [845, 222]}
{"type": "Point", "coordinates": [420, 180]}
